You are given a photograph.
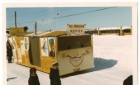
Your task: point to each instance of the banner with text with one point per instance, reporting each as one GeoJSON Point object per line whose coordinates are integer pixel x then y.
{"type": "Point", "coordinates": [75, 29]}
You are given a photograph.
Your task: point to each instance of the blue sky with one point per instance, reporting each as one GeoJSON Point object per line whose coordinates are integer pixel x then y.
{"type": "Point", "coordinates": [47, 19]}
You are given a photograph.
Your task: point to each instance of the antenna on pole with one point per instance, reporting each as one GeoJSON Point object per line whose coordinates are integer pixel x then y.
{"type": "Point", "coordinates": [15, 20]}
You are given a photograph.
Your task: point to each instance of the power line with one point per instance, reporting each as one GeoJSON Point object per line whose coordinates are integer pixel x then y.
{"type": "Point", "coordinates": [72, 14]}
{"type": "Point", "coordinates": [29, 13]}
{"type": "Point", "coordinates": [86, 12]}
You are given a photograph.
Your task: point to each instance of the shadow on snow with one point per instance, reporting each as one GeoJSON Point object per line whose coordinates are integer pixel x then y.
{"type": "Point", "coordinates": [99, 63]}
{"type": "Point", "coordinates": [11, 78]}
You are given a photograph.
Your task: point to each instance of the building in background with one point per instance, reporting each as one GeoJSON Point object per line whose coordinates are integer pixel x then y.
{"type": "Point", "coordinates": [111, 30]}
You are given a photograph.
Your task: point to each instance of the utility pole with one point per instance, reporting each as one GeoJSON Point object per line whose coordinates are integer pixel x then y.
{"type": "Point", "coordinates": [15, 20]}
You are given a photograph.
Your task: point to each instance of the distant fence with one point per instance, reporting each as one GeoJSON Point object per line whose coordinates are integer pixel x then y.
{"type": "Point", "coordinates": [112, 30]}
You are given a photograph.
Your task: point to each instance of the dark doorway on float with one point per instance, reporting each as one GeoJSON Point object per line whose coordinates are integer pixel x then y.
{"type": "Point", "coordinates": [34, 52]}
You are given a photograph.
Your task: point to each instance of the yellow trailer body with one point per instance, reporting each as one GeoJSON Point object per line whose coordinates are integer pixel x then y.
{"type": "Point", "coordinates": [73, 53]}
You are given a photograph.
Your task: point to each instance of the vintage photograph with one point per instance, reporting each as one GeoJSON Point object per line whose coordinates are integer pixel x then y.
{"type": "Point", "coordinates": [71, 44]}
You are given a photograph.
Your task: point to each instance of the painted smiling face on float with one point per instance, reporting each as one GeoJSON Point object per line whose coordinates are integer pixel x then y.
{"type": "Point", "coordinates": [76, 58]}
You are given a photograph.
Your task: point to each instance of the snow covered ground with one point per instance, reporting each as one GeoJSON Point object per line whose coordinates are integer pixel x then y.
{"type": "Point", "coordinates": [112, 59]}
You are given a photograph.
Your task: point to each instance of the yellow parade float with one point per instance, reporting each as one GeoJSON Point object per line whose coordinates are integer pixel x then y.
{"type": "Point", "coordinates": [72, 49]}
